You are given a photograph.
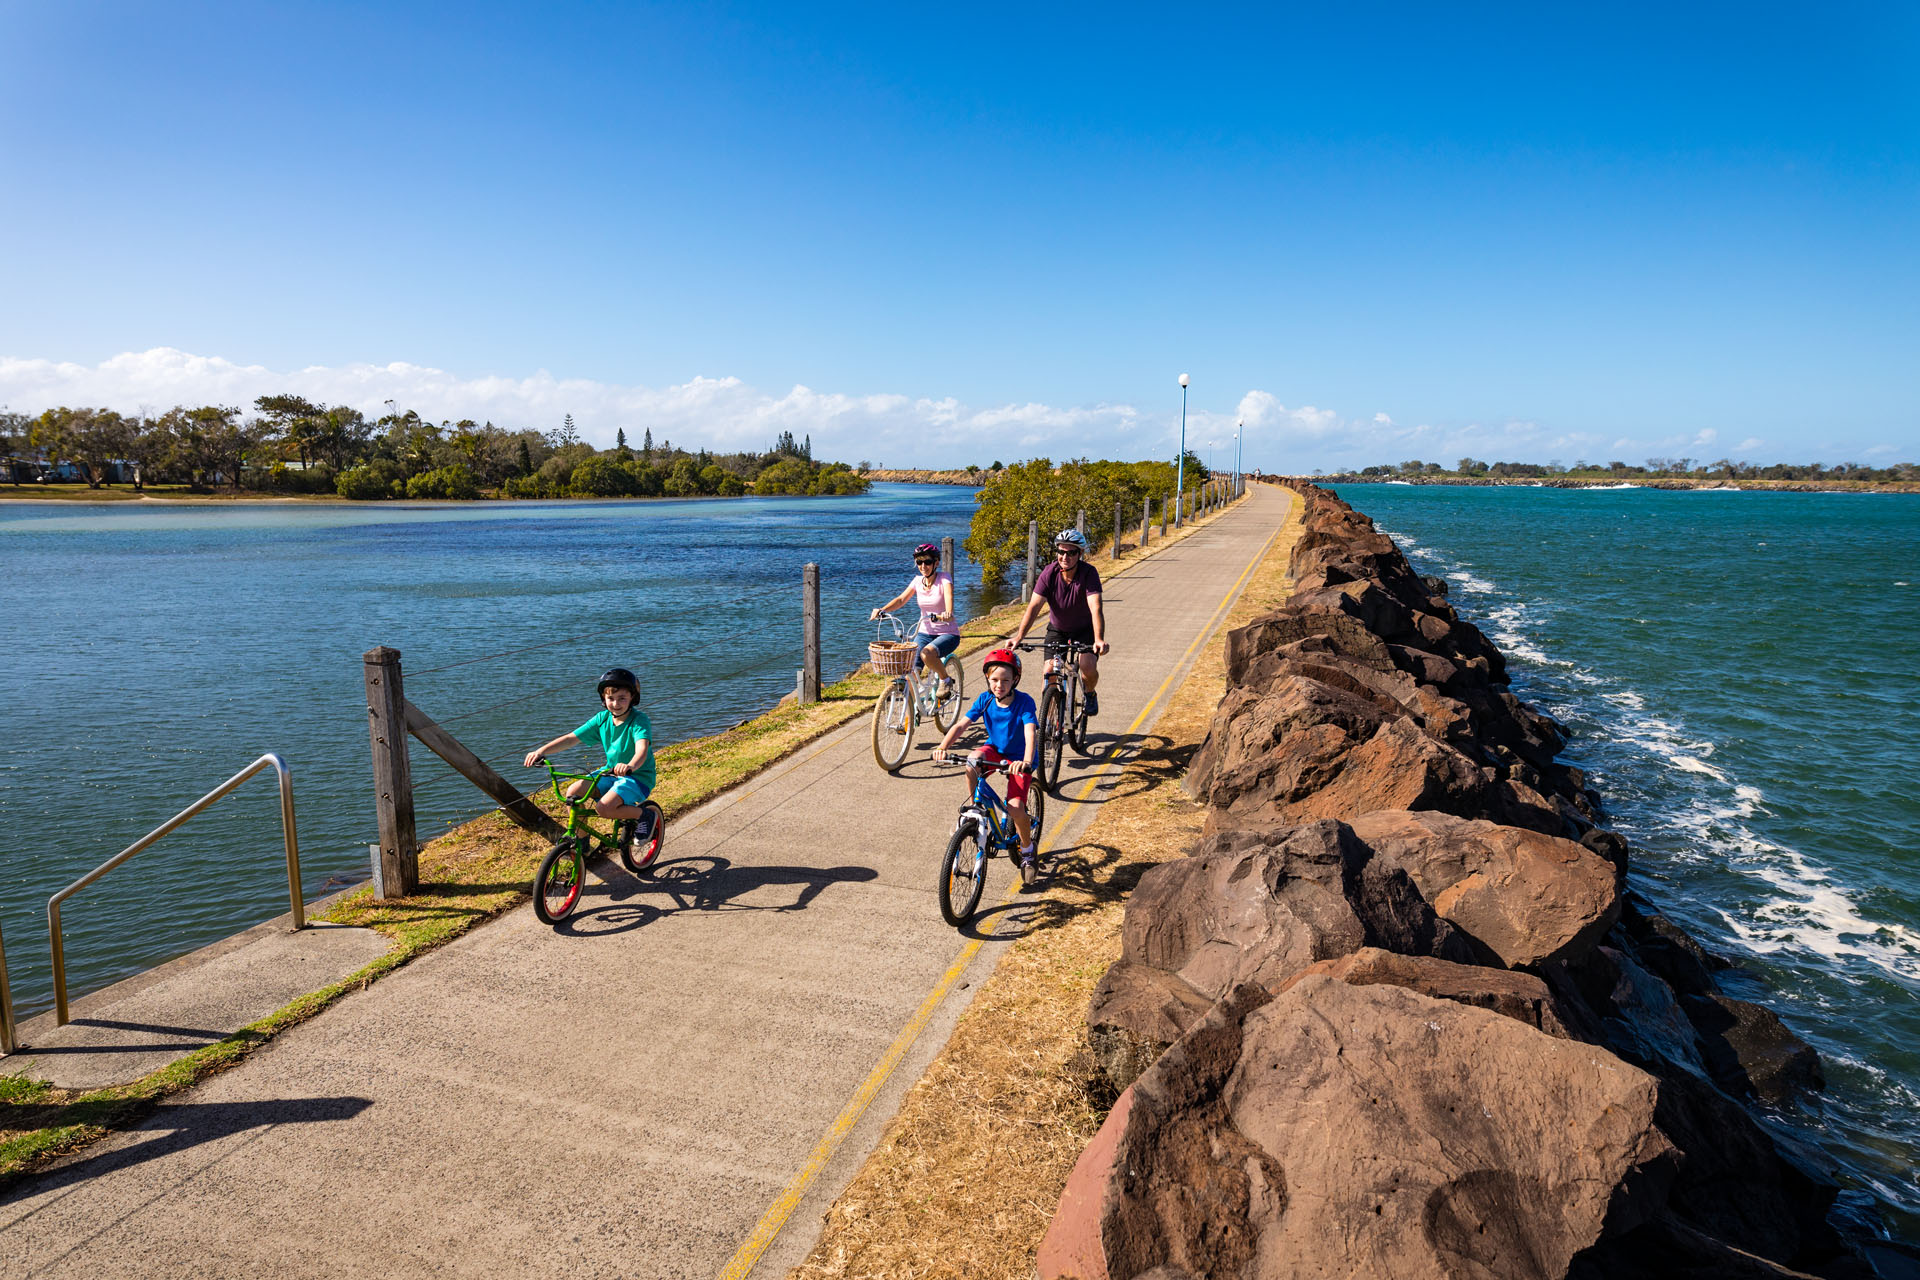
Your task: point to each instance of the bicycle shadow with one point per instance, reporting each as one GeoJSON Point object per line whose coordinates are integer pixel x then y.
{"type": "Point", "coordinates": [701, 882]}
{"type": "Point", "coordinates": [179, 1126]}
{"type": "Point", "coordinates": [1146, 762]}
{"type": "Point", "coordinates": [1079, 870]}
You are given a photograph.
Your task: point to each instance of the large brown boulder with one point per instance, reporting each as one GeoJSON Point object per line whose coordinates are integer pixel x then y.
{"type": "Point", "coordinates": [1282, 743]}
{"type": "Point", "coordinates": [1527, 897]}
{"type": "Point", "coordinates": [1520, 996]}
{"type": "Point", "coordinates": [1249, 906]}
{"type": "Point", "coordinates": [1399, 767]}
{"type": "Point", "coordinates": [1363, 1131]}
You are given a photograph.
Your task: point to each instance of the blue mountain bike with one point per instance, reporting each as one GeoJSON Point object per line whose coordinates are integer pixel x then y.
{"type": "Point", "coordinates": [985, 827]}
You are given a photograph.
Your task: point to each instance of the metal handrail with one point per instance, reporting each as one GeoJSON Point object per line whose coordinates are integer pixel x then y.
{"type": "Point", "coordinates": [287, 831]}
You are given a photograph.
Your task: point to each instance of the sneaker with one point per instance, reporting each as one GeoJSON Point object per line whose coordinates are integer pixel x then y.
{"type": "Point", "coordinates": [1029, 869]}
{"type": "Point", "coordinates": [1093, 705]}
{"type": "Point", "coordinates": [946, 688]}
{"type": "Point", "coordinates": [624, 832]}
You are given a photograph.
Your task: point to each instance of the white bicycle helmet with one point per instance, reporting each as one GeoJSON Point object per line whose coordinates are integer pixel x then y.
{"type": "Point", "coordinates": [1073, 537]}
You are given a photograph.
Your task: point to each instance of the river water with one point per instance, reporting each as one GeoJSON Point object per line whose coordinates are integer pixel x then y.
{"type": "Point", "coordinates": [1740, 671]}
{"type": "Point", "coordinates": [153, 650]}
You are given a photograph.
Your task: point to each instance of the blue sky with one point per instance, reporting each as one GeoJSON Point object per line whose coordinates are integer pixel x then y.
{"type": "Point", "coordinates": [934, 238]}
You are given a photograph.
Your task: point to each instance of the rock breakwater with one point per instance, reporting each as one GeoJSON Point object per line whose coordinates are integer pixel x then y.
{"type": "Point", "coordinates": [1397, 1013]}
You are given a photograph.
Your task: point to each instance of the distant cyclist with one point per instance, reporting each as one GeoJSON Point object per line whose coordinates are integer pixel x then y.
{"type": "Point", "coordinates": [932, 591]}
{"type": "Point", "coordinates": [1070, 589]}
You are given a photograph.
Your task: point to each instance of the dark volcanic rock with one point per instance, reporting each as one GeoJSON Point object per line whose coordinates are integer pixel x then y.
{"type": "Point", "coordinates": [1749, 1050]}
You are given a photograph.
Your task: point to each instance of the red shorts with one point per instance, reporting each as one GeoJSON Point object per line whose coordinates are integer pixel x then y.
{"type": "Point", "coordinates": [1017, 783]}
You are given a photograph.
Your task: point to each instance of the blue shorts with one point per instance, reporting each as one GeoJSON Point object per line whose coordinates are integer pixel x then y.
{"type": "Point", "coordinates": [628, 789]}
{"type": "Point", "coordinates": [942, 645]}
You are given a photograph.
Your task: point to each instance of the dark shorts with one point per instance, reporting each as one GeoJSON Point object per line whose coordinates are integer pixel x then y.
{"type": "Point", "coordinates": [942, 645]}
{"type": "Point", "coordinates": [1057, 640]}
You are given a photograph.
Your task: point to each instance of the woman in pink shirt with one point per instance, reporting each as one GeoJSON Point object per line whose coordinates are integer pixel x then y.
{"type": "Point", "coordinates": [932, 591]}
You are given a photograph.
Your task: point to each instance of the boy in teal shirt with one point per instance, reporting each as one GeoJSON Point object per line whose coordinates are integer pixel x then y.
{"type": "Point", "coordinates": [625, 736]}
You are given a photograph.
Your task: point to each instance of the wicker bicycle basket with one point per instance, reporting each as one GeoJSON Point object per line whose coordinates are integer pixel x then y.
{"type": "Point", "coordinates": [892, 657]}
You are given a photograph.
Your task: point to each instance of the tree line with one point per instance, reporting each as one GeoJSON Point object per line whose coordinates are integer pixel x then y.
{"type": "Point", "coordinates": [1655, 469]}
{"type": "Point", "coordinates": [1054, 496]}
{"type": "Point", "coordinates": [289, 444]}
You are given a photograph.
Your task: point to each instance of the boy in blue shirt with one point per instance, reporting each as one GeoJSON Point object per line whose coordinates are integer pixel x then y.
{"type": "Point", "coordinates": [1013, 730]}
{"type": "Point", "coordinates": [625, 736]}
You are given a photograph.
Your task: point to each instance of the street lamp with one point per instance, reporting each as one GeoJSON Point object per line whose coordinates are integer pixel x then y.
{"type": "Point", "coordinates": [1236, 454]}
{"type": "Point", "coordinates": [1180, 463]}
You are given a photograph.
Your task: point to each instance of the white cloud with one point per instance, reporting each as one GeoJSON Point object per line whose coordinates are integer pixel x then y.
{"type": "Point", "coordinates": [1749, 444]}
{"type": "Point", "coordinates": [886, 428]}
{"type": "Point", "coordinates": [718, 412]}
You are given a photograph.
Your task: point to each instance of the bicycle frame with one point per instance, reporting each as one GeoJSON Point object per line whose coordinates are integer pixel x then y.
{"type": "Point", "coordinates": [923, 683]}
{"type": "Point", "coordinates": [1002, 834]}
{"type": "Point", "coordinates": [580, 812]}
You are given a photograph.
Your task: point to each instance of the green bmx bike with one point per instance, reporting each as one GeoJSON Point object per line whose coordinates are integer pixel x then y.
{"type": "Point", "coordinates": [563, 872]}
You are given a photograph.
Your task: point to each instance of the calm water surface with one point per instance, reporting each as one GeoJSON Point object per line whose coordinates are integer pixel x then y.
{"type": "Point", "coordinates": [153, 651]}
{"type": "Point", "coordinates": [1740, 671]}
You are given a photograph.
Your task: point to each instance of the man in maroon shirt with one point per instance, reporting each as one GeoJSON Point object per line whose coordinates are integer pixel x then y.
{"type": "Point", "coordinates": [1070, 589]}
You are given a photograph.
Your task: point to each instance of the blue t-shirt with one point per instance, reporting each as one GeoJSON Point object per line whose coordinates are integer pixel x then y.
{"type": "Point", "coordinates": [1004, 733]}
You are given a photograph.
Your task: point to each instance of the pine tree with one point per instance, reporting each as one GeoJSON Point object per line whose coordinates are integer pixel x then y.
{"type": "Point", "coordinates": [524, 458]}
{"type": "Point", "coordinates": [646, 445]}
{"type": "Point", "coordinates": [806, 450]}
{"type": "Point", "coordinates": [620, 438]}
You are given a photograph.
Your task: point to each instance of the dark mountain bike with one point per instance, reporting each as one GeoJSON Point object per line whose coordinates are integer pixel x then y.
{"type": "Point", "coordinates": [1063, 711]}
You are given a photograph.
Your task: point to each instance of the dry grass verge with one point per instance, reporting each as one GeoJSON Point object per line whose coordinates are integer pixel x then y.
{"type": "Point", "coordinates": [469, 875]}
{"type": "Point", "coordinates": [966, 1178]}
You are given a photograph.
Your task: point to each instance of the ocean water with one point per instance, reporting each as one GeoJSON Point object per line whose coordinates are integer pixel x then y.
{"type": "Point", "coordinates": [1740, 671]}
{"type": "Point", "coordinates": [153, 651]}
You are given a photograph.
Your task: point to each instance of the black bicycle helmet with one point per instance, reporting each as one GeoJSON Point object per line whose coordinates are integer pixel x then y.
{"type": "Point", "coordinates": [618, 678]}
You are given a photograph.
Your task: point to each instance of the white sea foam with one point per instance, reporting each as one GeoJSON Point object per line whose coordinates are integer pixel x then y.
{"type": "Point", "coordinates": [1803, 908]}
{"type": "Point", "coordinates": [1604, 488]}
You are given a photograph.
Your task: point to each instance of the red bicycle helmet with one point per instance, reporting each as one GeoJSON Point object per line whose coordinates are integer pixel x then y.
{"type": "Point", "coordinates": [1005, 657]}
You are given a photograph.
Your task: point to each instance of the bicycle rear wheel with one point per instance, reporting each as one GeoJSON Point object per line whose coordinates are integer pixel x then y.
{"type": "Point", "coordinates": [945, 713]}
{"type": "Point", "coordinates": [1053, 734]}
{"type": "Point", "coordinates": [892, 725]}
{"type": "Point", "coordinates": [963, 874]}
{"type": "Point", "coordinates": [557, 885]}
{"type": "Point", "coordinates": [639, 854]}
{"type": "Point", "coordinates": [1077, 718]}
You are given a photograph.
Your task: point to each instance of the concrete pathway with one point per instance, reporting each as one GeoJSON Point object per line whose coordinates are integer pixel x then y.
{"type": "Point", "coordinates": [693, 1062]}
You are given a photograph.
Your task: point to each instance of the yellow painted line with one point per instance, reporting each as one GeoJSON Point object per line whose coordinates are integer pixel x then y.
{"type": "Point", "coordinates": [775, 1218]}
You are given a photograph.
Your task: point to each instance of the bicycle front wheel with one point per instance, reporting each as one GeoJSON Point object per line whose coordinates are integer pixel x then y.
{"type": "Point", "coordinates": [1077, 717]}
{"type": "Point", "coordinates": [963, 874]}
{"type": "Point", "coordinates": [945, 713]}
{"type": "Point", "coordinates": [892, 725]}
{"type": "Point", "coordinates": [1053, 734]}
{"type": "Point", "coordinates": [1036, 807]}
{"type": "Point", "coordinates": [558, 883]}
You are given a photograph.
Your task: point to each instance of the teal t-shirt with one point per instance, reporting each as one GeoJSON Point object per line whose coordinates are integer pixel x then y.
{"type": "Point", "coordinates": [619, 740]}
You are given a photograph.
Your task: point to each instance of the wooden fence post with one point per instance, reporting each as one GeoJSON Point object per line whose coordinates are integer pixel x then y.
{"type": "Point", "coordinates": [1146, 520]}
{"type": "Point", "coordinates": [1080, 522]}
{"type": "Point", "coordinates": [810, 631]}
{"type": "Point", "coordinates": [1033, 559]}
{"type": "Point", "coordinates": [1163, 515]}
{"type": "Point", "coordinates": [392, 779]}
{"type": "Point", "coordinates": [1116, 533]}
{"type": "Point", "coordinates": [946, 557]}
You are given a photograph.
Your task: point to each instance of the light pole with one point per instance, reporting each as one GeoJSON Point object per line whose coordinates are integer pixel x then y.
{"type": "Point", "coordinates": [1237, 428]}
{"type": "Point", "coordinates": [1180, 463]}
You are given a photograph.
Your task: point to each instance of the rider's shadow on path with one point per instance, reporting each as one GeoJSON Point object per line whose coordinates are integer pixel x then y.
{"type": "Point", "coordinates": [706, 882]}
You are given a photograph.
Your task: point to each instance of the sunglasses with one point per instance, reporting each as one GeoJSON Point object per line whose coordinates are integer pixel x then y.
{"type": "Point", "coordinates": [1066, 551]}
{"type": "Point", "coordinates": [926, 562]}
